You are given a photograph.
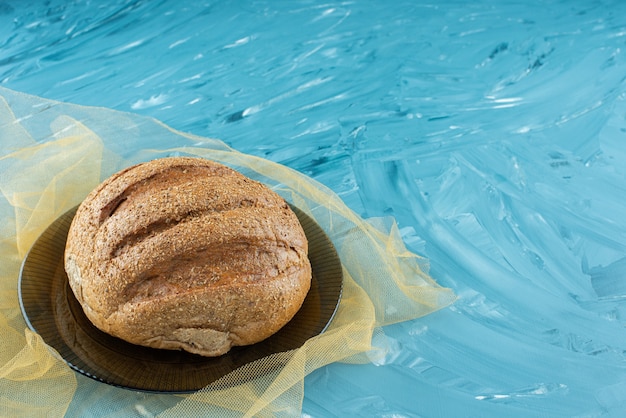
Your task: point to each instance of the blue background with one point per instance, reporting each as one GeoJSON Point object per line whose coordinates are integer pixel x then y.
{"type": "Point", "coordinates": [493, 131]}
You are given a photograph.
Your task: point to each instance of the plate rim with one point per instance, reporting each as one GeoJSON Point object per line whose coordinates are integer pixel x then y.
{"type": "Point", "coordinates": [24, 309]}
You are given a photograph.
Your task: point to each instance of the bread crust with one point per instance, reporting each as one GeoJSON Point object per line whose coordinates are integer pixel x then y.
{"type": "Point", "coordinates": [185, 253]}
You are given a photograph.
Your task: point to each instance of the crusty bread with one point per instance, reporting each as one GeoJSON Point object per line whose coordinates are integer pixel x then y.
{"type": "Point", "coordinates": [185, 253]}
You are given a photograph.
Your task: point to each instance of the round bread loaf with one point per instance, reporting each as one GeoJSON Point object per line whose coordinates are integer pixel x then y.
{"type": "Point", "coordinates": [185, 253]}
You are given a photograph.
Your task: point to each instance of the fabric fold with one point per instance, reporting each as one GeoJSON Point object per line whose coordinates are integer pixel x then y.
{"type": "Point", "coordinates": [53, 154]}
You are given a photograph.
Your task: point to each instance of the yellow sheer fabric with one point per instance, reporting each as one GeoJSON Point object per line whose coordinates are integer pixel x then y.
{"type": "Point", "coordinates": [52, 154]}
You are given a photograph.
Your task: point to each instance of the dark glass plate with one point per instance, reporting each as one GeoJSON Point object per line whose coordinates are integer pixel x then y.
{"type": "Point", "coordinates": [51, 310]}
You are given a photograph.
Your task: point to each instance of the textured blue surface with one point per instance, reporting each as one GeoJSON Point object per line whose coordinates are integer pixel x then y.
{"type": "Point", "coordinates": [493, 131]}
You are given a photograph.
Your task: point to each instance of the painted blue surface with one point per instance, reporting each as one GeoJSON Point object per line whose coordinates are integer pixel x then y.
{"type": "Point", "coordinates": [493, 131]}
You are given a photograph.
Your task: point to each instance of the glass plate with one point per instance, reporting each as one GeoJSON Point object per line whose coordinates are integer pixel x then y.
{"type": "Point", "coordinates": [51, 310]}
